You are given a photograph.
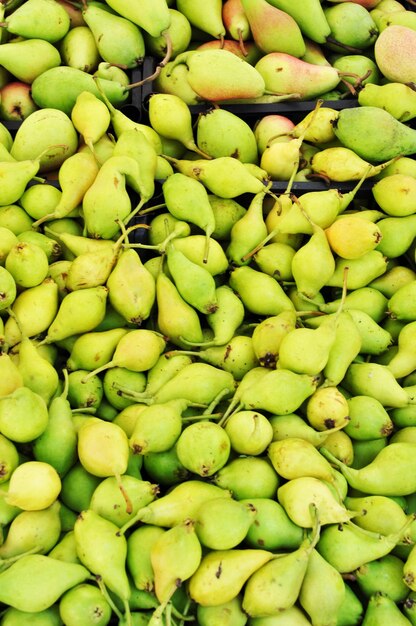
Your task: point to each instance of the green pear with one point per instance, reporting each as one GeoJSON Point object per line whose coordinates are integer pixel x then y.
{"type": "Point", "coordinates": [8, 287]}
{"type": "Point", "coordinates": [343, 22]}
{"type": "Point", "coordinates": [164, 468]}
{"type": "Point", "coordinates": [359, 381]}
{"type": "Point", "coordinates": [9, 458]}
{"type": "Point", "coordinates": [203, 448]}
{"type": "Point", "coordinates": [56, 445]}
{"type": "Point", "coordinates": [228, 612]}
{"type": "Point", "coordinates": [271, 528]}
{"type": "Point", "coordinates": [220, 132]}
{"type": "Point", "coordinates": [35, 531]}
{"type": "Point", "coordinates": [41, 579]}
{"type": "Point", "coordinates": [78, 485]}
{"type": "Point", "coordinates": [247, 281]}
{"type": "Point", "coordinates": [235, 78]}
{"type": "Point", "coordinates": [321, 601]}
{"type": "Point", "coordinates": [237, 565]}
{"type": "Point", "coordinates": [385, 575]}
{"type": "Point", "coordinates": [68, 322]}
{"type": "Point", "coordinates": [341, 163]}
{"type": "Point", "coordinates": [399, 185]}
{"type": "Point", "coordinates": [109, 30]}
{"type": "Point", "coordinates": [194, 247]}
{"type": "Point", "coordinates": [35, 308]}
{"type": "Point", "coordinates": [367, 478]}
{"type": "Point", "coordinates": [29, 58]}
{"type": "Point", "coordinates": [38, 374]}
{"type": "Point", "coordinates": [248, 477]}
{"type": "Point", "coordinates": [90, 117]}
{"type": "Point", "coordinates": [79, 50]}
{"type": "Point", "coordinates": [84, 603]}
{"type": "Point", "coordinates": [275, 586]}
{"type": "Point", "coordinates": [250, 432]}
{"type": "Point", "coordinates": [48, 132]}
{"type": "Point", "coordinates": [157, 428]}
{"type": "Point", "coordinates": [23, 415]}
{"type": "Point", "coordinates": [72, 82]}
{"type": "Point", "coordinates": [179, 504]}
{"type": "Point", "coordinates": [49, 616]}
{"type": "Point", "coordinates": [108, 501]}
{"type": "Point", "coordinates": [139, 544]}
{"type": "Point", "coordinates": [294, 457]}
{"type": "Point", "coordinates": [382, 608]}
{"type": "Point", "coordinates": [298, 494]}
{"type": "Point", "coordinates": [39, 19]}
{"type": "Point", "coordinates": [396, 138]}
{"type": "Point", "coordinates": [103, 551]}
{"type": "Point", "coordinates": [212, 523]}
{"type": "Point", "coordinates": [153, 17]}
{"type": "Point", "coordinates": [395, 97]}
{"type": "Point", "coordinates": [362, 428]}
{"type": "Point", "coordinates": [209, 20]}
{"type": "Point", "coordinates": [179, 32]}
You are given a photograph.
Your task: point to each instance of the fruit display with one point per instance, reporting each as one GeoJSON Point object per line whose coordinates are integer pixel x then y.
{"type": "Point", "coordinates": [207, 309]}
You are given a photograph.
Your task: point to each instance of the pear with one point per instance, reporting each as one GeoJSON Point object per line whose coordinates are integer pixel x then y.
{"type": "Point", "coordinates": [236, 566]}
{"type": "Point", "coordinates": [343, 22]}
{"type": "Point", "coordinates": [352, 236]}
{"type": "Point", "coordinates": [272, 29]}
{"type": "Point", "coordinates": [193, 246]}
{"type": "Point", "coordinates": [268, 335]}
{"type": "Point", "coordinates": [109, 29]}
{"type": "Point", "coordinates": [179, 32]}
{"type": "Point", "coordinates": [175, 556]}
{"type": "Point", "coordinates": [79, 50]}
{"type": "Point", "coordinates": [238, 79]}
{"type": "Point", "coordinates": [56, 445]}
{"type": "Point", "coordinates": [378, 425]}
{"type": "Point", "coordinates": [359, 381]}
{"type": "Point", "coordinates": [8, 288]}
{"type": "Point", "coordinates": [271, 528]}
{"type": "Point", "coordinates": [203, 448]}
{"type": "Point", "coordinates": [387, 40]}
{"type": "Point", "coordinates": [39, 132]}
{"type": "Point", "coordinates": [180, 193]}
{"type": "Point", "coordinates": [290, 390]}
{"type": "Point", "coordinates": [67, 322]}
{"type": "Point", "coordinates": [49, 616]}
{"type": "Point", "coordinates": [153, 17]}
{"type": "Point", "coordinates": [361, 271]}
{"type": "Point", "coordinates": [32, 531]}
{"type": "Point", "coordinates": [40, 19]}
{"type": "Point", "coordinates": [395, 97]}
{"type": "Point", "coordinates": [317, 247]}
{"type": "Point", "coordinates": [248, 231]}
{"type": "Point", "coordinates": [248, 477]}
{"type": "Point", "coordinates": [179, 504]}
{"type": "Point", "coordinates": [170, 117]}
{"type": "Point", "coordinates": [157, 428]}
{"type": "Point", "coordinates": [367, 478]}
{"type": "Point", "coordinates": [30, 58]}
{"type": "Point", "coordinates": [15, 407]}
{"type": "Point", "coordinates": [33, 486]}
{"type": "Point", "coordinates": [383, 514]}
{"type": "Point", "coordinates": [247, 281]}
{"type": "Point", "coordinates": [72, 82]}
{"type": "Point", "coordinates": [99, 545]}
{"type": "Point", "coordinates": [250, 432]}
{"type": "Point", "coordinates": [275, 586]}
{"type": "Point", "coordinates": [380, 608]}
{"type": "Point", "coordinates": [38, 374]}
{"type": "Point", "coordinates": [35, 308]}
{"type": "Point", "coordinates": [396, 139]}
{"type": "Point", "coordinates": [293, 425]}
{"type": "Point", "coordinates": [224, 176]}
{"type": "Point", "coordinates": [90, 117]}
{"type": "Point", "coordinates": [298, 494]}
{"type": "Point", "coordinates": [347, 345]}
{"type": "Point", "coordinates": [321, 601]}
{"type": "Point", "coordinates": [294, 457]}
{"type": "Point", "coordinates": [78, 485]}
{"type": "Point", "coordinates": [212, 523]}
{"type": "Point", "coordinates": [84, 602]}
{"type": "Point", "coordinates": [383, 575]}
{"type": "Point", "coordinates": [394, 244]}
{"type": "Point", "coordinates": [139, 544]}
{"type": "Point", "coordinates": [108, 501]}
{"type": "Point", "coordinates": [220, 132]}
{"type": "Point", "coordinates": [9, 458]}
{"type": "Point", "coordinates": [208, 615]}
{"type": "Point", "coordinates": [287, 74]}
{"type": "Point", "coordinates": [340, 164]}
{"type": "Point", "coordinates": [195, 284]}
{"type": "Point", "coordinates": [402, 186]}
{"type": "Point", "coordinates": [41, 579]}
{"type": "Point", "coordinates": [185, 325]}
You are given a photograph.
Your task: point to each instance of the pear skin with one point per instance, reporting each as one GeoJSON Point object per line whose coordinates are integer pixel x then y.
{"type": "Point", "coordinates": [386, 44]}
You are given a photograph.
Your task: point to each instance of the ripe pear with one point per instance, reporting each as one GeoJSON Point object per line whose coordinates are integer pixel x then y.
{"type": "Point", "coordinates": [388, 39]}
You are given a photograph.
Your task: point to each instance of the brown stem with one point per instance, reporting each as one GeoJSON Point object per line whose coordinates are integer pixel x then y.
{"type": "Point", "coordinates": [159, 66]}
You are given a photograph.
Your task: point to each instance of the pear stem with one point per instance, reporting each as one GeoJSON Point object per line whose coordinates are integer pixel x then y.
{"type": "Point", "coordinates": [98, 579]}
{"type": "Point", "coordinates": [159, 66]}
{"type": "Point", "coordinates": [129, 504]}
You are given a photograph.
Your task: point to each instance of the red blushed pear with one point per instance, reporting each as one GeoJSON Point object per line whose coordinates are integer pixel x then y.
{"type": "Point", "coordinates": [395, 53]}
{"type": "Point", "coordinates": [236, 22]}
{"type": "Point", "coordinates": [285, 73]}
{"type": "Point", "coordinates": [16, 102]}
{"type": "Point", "coordinates": [273, 30]}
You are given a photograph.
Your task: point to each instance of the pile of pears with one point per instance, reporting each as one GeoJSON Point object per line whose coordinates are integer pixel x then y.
{"type": "Point", "coordinates": [207, 383]}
